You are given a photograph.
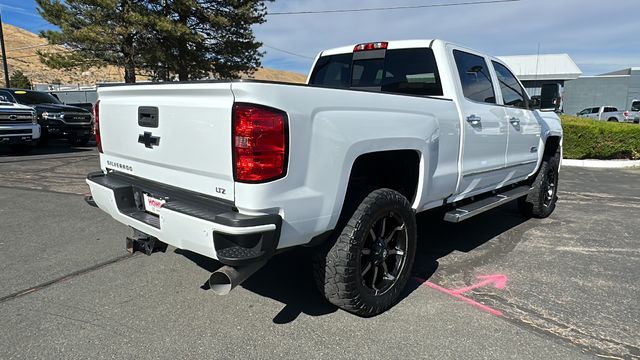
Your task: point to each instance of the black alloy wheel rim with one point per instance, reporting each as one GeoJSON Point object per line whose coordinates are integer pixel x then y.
{"type": "Point", "coordinates": [550, 188]}
{"type": "Point", "coordinates": [383, 254]}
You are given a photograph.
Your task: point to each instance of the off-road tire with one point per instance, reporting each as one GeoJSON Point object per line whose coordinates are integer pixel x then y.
{"type": "Point", "coordinates": [338, 267]}
{"type": "Point", "coordinates": [541, 200]}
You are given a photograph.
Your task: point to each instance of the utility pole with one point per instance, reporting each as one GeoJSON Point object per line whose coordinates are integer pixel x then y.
{"type": "Point", "coordinates": [4, 55]}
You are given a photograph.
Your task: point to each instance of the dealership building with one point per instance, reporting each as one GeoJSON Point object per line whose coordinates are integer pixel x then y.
{"type": "Point", "coordinates": [553, 76]}
{"type": "Point", "coordinates": [618, 89]}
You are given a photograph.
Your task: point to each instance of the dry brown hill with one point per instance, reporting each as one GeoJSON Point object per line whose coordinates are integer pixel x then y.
{"type": "Point", "coordinates": [22, 45]}
{"type": "Point", "coordinates": [279, 75]}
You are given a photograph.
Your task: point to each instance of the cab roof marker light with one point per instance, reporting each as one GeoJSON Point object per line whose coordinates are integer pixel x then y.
{"type": "Point", "coordinates": [371, 46]}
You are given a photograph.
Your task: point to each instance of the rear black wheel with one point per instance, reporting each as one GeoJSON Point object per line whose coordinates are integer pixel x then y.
{"type": "Point", "coordinates": [365, 269]}
{"type": "Point", "coordinates": [613, 119]}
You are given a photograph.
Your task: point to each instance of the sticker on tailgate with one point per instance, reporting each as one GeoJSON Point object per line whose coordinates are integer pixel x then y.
{"type": "Point", "coordinates": [152, 204]}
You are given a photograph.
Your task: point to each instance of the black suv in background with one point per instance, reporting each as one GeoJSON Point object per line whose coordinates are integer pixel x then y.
{"type": "Point", "coordinates": [55, 118]}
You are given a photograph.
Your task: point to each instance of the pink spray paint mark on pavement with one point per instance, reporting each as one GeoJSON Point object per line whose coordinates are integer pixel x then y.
{"type": "Point", "coordinates": [499, 281]}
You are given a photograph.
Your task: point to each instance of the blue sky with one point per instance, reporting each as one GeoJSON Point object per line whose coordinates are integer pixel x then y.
{"type": "Point", "coordinates": [600, 36]}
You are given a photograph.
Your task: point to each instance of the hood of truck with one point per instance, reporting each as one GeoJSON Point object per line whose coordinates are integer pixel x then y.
{"type": "Point", "coordinates": [58, 108]}
{"type": "Point", "coordinates": [14, 106]}
{"type": "Point", "coordinates": [175, 134]}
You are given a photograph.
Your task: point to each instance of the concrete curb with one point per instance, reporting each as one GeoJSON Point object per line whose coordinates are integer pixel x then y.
{"type": "Point", "coordinates": [602, 164]}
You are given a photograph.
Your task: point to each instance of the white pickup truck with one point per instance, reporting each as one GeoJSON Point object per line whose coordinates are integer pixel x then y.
{"type": "Point", "coordinates": [239, 170]}
{"type": "Point", "coordinates": [607, 113]}
{"type": "Point", "coordinates": [18, 126]}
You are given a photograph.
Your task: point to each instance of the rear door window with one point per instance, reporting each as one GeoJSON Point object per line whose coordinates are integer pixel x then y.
{"type": "Point", "coordinates": [595, 110]}
{"type": "Point", "coordinates": [475, 77]}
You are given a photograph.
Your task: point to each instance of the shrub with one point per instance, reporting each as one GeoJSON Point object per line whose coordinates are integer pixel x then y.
{"type": "Point", "coordinates": [19, 80]}
{"type": "Point", "coordinates": [592, 139]}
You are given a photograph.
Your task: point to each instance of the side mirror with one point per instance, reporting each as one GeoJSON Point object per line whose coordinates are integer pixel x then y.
{"type": "Point", "coordinates": [534, 103]}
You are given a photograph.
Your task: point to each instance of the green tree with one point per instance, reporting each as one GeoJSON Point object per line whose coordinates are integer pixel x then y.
{"type": "Point", "coordinates": [96, 33]}
{"type": "Point", "coordinates": [19, 80]}
{"type": "Point", "coordinates": [187, 39]}
{"type": "Point", "coordinates": [198, 38]}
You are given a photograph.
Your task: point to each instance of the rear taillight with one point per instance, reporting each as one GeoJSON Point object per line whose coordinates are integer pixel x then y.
{"type": "Point", "coordinates": [626, 114]}
{"type": "Point", "coordinates": [259, 143]}
{"type": "Point", "coordinates": [96, 122]}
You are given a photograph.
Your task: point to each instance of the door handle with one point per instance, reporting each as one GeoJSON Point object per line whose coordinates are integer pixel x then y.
{"type": "Point", "coordinates": [514, 121]}
{"type": "Point", "coordinates": [474, 120]}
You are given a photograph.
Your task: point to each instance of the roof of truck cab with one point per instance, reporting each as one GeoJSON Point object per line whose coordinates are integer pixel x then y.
{"type": "Point", "coordinates": [406, 44]}
{"type": "Point", "coordinates": [393, 44]}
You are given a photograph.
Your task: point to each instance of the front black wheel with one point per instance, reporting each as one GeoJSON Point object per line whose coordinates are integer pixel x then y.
{"type": "Point", "coordinates": [365, 269]}
{"type": "Point", "coordinates": [541, 200]}
{"type": "Point", "coordinates": [44, 138]}
{"type": "Point", "coordinates": [21, 149]}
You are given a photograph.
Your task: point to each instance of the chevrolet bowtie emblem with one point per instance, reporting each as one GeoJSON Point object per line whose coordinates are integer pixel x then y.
{"type": "Point", "coordinates": [148, 140]}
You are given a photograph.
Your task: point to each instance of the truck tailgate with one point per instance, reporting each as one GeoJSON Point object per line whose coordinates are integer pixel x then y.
{"type": "Point", "coordinates": [187, 145]}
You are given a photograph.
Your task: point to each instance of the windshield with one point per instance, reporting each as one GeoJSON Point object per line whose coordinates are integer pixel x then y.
{"type": "Point", "coordinates": [635, 106]}
{"type": "Point", "coordinates": [34, 97]}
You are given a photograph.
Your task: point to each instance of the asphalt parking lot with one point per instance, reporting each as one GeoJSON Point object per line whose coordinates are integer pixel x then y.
{"type": "Point", "coordinates": [497, 286]}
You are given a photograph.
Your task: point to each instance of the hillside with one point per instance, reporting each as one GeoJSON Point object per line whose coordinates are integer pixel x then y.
{"type": "Point", "coordinates": [279, 75]}
{"type": "Point", "coordinates": [22, 45]}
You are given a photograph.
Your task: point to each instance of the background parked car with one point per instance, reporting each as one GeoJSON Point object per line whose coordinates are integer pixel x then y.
{"type": "Point", "coordinates": [18, 125]}
{"type": "Point", "coordinates": [606, 113]}
{"type": "Point", "coordinates": [635, 109]}
{"type": "Point", "coordinates": [55, 118]}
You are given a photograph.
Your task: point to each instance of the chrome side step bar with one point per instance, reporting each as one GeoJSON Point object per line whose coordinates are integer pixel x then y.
{"type": "Point", "coordinates": [470, 210]}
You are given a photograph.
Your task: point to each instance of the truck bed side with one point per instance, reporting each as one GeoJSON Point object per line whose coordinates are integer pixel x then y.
{"type": "Point", "coordinates": [329, 129]}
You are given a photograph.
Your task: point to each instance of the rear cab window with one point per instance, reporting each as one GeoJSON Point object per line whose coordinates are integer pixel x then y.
{"type": "Point", "coordinates": [333, 71]}
{"type": "Point", "coordinates": [411, 71]}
